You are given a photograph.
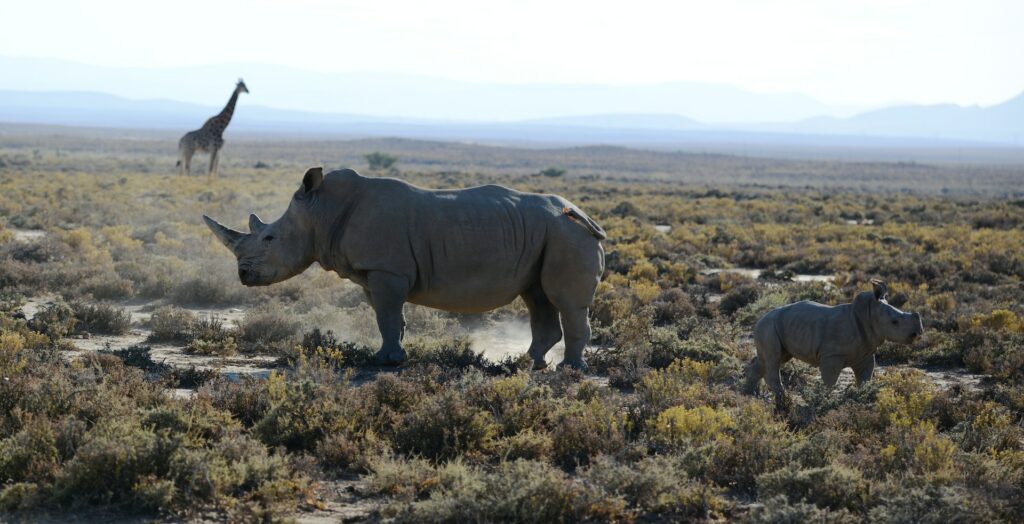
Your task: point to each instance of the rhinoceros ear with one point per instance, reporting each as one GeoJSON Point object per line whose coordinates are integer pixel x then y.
{"type": "Point", "coordinates": [255, 224]}
{"type": "Point", "coordinates": [311, 182]}
{"type": "Point", "coordinates": [229, 237]}
{"type": "Point", "coordinates": [880, 289]}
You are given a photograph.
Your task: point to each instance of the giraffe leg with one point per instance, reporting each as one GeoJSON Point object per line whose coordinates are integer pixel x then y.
{"type": "Point", "coordinates": [214, 160]}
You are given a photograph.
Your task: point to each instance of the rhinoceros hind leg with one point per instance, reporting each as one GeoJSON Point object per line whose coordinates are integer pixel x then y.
{"type": "Point", "coordinates": [569, 278]}
{"type": "Point", "coordinates": [544, 325]}
{"type": "Point", "coordinates": [755, 371]}
{"type": "Point", "coordinates": [387, 294]}
{"type": "Point", "coordinates": [577, 334]}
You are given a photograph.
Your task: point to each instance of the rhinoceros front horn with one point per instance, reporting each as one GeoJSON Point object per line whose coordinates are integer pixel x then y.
{"type": "Point", "coordinates": [255, 224]}
{"type": "Point", "coordinates": [229, 237]}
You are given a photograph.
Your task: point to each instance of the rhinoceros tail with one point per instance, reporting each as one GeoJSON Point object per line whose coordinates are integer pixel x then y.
{"type": "Point", "coordinates": [580, 218]}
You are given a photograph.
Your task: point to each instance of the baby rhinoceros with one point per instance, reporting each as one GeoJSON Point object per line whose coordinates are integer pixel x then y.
{"type": "Point", "coordinates": [830, 337]}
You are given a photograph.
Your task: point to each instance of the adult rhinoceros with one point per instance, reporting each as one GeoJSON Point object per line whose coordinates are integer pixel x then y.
{"type": "Point", "coordinates": [468, 250]}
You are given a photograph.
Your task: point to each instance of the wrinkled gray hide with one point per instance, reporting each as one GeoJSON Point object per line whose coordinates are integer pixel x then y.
{"type": "Point", "coordinates": [830, 337]}
{"type": "Point", "coordinates": [469, 250]}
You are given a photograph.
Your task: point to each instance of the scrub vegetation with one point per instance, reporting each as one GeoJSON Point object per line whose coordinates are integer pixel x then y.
{"type": "Point", "coordinates": [659, 429]}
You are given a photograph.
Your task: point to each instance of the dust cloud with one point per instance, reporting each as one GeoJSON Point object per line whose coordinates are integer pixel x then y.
{"type": "Point", "coordinates": [501, 339]}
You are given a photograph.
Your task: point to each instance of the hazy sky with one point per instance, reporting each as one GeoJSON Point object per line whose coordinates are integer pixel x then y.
{"type": "Point", "coordinates": [862, 52]}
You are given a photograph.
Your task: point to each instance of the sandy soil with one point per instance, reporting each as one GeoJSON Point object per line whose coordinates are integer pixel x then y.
{"type": "Point", "coordinates": [172, 354]}
{"type": "Point", "coordinates": [27, 235]}
{"type": "Point", "coordinates": [755, 273]}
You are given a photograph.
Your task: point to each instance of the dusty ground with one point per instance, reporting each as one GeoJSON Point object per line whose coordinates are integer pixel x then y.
{"type": "Point", "coordinates": [168, 353]}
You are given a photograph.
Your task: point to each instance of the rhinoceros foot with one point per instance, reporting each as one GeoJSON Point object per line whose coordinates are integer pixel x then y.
{"type": "Point", "coordinates": [539, 364]}
{"type": "Point", "coordinates": [578, 364]}
{"type": "Point", "coordinates": [389, 356]}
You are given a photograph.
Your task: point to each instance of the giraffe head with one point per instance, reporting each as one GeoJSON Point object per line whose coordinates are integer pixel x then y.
{"type": "Point", "coordinates": [240, 87]}
{"type": "Point", "coordinates": [271, 253]}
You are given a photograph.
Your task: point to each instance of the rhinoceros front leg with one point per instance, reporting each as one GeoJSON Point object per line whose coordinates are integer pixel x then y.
{"type": "Point", "coordinates": [755, 371]}
{"type": "Point", "coordinates": [387, 295]}
{"type": "Point", "coordinates": [863, 370]}
{"type": "Point", "coordinates": [831, 367]}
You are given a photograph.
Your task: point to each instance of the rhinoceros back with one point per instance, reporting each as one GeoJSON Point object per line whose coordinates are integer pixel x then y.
{"type": "Point", "coordinates": [480, 247]}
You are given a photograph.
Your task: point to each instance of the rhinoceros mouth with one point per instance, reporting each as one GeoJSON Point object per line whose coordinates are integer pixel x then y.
{"type": "Point", "coordinates": [248, 276]}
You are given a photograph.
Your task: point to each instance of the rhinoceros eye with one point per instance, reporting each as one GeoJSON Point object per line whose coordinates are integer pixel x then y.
{"type": "Point", "coordinates": [895, 322]}
{"type": "Point", "coordinates": [268, 238]}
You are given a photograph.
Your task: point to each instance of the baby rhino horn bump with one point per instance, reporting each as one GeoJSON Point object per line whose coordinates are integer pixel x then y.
{"type": "Point", "coordinates": [229, 237]}
{"type": "Point", "coordinates": [255, 224]}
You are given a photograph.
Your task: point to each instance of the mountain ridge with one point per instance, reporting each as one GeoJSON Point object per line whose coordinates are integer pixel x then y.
{"type": "Point", "coordinates": [1001, 124]}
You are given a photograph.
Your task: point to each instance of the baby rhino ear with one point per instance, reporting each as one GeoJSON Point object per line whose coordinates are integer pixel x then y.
{"type": "Point", "coordinates": [880, 289]}
{"type": "Point", "coordinates": [311, 182]}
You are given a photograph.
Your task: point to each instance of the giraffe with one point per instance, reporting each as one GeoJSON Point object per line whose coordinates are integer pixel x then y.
{"type": "Point", "coordinates": [210, 137]}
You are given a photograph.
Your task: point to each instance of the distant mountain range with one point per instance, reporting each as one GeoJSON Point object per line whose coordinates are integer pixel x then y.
{"type": "Point", "coordinates": [412, 96]}
{"type": "Point", "coordinates": [1002, 123]}
{"type": "Point", "coordinates": [446, 110]}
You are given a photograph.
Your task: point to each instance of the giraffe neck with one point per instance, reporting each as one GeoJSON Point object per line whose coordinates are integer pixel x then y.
{"type": "Point", "coordinates": [220, 122]}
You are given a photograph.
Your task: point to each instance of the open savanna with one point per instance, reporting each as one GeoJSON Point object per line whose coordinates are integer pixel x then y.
{"type": "Point", "coordinates": [208, 400]}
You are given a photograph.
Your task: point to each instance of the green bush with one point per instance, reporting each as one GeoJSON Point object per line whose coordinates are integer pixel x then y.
{"type": "Point", "coordinates": [519, 491]}
{"type": "Point", "coordinates": [55, 320]}
{"type": "Point", "coordinates": [779, 510]}
{"type": "Point", "coordinates": [834, 487]}
{"type": "Point", "coordinates": [343, 452]}
{"type": "Point", "coordinates": [101, 319]}
{"type": "Point", "coordinates": [581, 431]}
{"type": "Point", "coordinates": [269, 331]}
{"type": "Point", "coordinates": [930, 505]}
{"type": "Point", "coordinates": [526, 445]}
{"type": "Point", "coordinates": [205, 291]}
{"type": "Point", "coordinates": [31, 454]}
{"type": "Point", "coordinates": [208, 336]}
{"type": "Point", "coordinates": [301, 411]}
{"type": "Point", "coordinates": [380, 161]}
{"type": "Point", "coordinates": [444, 427]}
{"type": "Point", "coordinates": [171, 324]}
{"type": "Point", "coordinates": [658, 485]}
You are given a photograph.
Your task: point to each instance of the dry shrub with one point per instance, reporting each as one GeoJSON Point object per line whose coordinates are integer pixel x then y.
{"type": "Point", "coordinates": [171, 324]}
{"type": "Point", "coordinates": [101, 318]}
{"type": "Point", "coordinates": [269, 330]}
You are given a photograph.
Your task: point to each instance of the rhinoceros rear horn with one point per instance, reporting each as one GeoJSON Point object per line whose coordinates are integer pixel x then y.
{"type": "Point", "coordinates": [229, 237]}
{"type": "Point", "coordinates": [880, 289]}
{"type": "Point", "coordinates": [255, 224]}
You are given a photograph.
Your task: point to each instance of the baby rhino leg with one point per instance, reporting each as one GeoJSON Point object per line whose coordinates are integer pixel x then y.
{"type": "Point", "coordinates": [770, 357]}
{"type": "Point", "coordinates": [830, 369]}
{"type": "Point", "coordinates": [755, 371]}
{"type": "Point", "coordinates": [864, 369]}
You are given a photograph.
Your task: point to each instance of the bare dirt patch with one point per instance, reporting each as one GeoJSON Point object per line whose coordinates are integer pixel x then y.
{"type": "Point", "coordinates": [753, 273]}
{"type": "Point", "coordinates": [28, 235]}
{"type": "Point", "coordinates": [342, 501]}
{"type": "Point", "coordinates": [167, 353]}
